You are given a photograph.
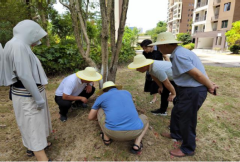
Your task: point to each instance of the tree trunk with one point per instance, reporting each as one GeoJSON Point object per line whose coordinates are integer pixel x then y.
{"type": "Point", "coordinates": [28, 9]}
{"type": "Point", "coordinates": [78, 23]}
{"type": "Point", "coordinates": [42, 10]}
{"type": "Point", "coordinates": [104, 37]}
{"type": "Point", "coordinates": [117, 47]}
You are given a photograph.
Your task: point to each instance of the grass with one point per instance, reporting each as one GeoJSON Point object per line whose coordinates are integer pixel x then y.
{"type": "Point", "coordinates": [218, 130]}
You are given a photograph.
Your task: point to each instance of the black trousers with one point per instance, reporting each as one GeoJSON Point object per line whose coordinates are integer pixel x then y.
{"type": "Point", "coordinates": [164, 97]}
{"type": "Point", "coordinates": [184, 116]}
{"type": "Point", "coordinates": [65, 105]}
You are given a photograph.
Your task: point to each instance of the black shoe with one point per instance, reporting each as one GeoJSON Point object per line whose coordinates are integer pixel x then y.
{"type": "Point", "coordinates": [79, 105]}
{"type": "Point", "coordinates": [84, 105]}
{"type": "Point", "coordinates": [63, 118]}
{"type": "Point", "coordinates": [158, 112]}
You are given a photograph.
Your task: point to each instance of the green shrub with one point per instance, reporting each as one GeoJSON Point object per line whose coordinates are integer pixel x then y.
{"type": "Point", "coordinates": [185, 38]}
{"type": "Point", "coordinates": [189, 46]}
{"type": "Point", "coordinates": [59, 59]}
{"type": "Point", "coordinates": [126, 54]}
{"type": "Point", "coordinates": [235, 48]}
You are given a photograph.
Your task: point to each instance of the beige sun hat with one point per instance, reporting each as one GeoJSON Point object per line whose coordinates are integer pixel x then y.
{"type": "Point", "coordinates": [106, 85]}
{"type": "Point", "coordinates": [139, 61]}
{"type": "Point", "coordinates": [89, 74]}
{"type": "Point", "coordinates": [165, 38]}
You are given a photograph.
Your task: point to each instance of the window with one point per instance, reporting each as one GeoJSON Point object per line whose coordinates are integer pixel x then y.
{"type": "Point", "coordinates": [225, 24]}
{"type": "Point", "coordinates": [192, 9]}
{"type": "Point", "coordinates": [188, 15]}
{"type": "Point", "coordinates": [227, 6]}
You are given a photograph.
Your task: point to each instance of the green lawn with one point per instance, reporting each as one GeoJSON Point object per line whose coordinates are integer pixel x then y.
{"type": "Point", "coordinates": [218, 130]}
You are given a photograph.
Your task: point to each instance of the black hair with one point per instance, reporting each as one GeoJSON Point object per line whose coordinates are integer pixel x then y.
{"type": "Point", "coordinates": [145, 43]}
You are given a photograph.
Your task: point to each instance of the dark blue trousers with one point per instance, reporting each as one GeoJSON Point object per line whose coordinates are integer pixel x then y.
{"type": "Point", "coordinates": [184, 116]}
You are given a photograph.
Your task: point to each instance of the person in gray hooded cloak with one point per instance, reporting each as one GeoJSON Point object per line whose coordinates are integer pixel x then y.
{"type": "Point", "coordinates": [24, 72]}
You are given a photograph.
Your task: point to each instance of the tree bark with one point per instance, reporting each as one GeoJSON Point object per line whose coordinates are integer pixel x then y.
{"type": "Point", "coordinates": [104, 37]}
{"type": "Point", "coordinates": [78, 23]}
{"type": "Point", "coordinates": [118, 45]}
{"type": "Point", "coordinates": [43, 16]}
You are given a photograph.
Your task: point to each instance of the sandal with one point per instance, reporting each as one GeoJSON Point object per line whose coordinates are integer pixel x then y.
{"type": "Point", "coordinates": [106, 142]}
{"type": "Point", "coordinates": [31, 154]}
{"type": "Point", "coordinates": [137, 151]}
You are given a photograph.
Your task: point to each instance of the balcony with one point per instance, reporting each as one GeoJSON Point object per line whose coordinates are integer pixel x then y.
{"type": "Point", "coordinates": [215, 17]}
{"type": "Point", "coordinates": [198, 31]}
{"type": "Point", "coordinates": [198, 19]}
{"type": "Point", "coordinates": [201, 4]}
{"type": "Point", "coordinates": [216, 2]}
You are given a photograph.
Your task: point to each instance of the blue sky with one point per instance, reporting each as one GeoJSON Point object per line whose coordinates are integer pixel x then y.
{"type": "Point", "coordinates": [141, 13]}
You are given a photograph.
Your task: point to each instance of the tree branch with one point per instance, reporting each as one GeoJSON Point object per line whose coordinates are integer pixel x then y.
{"type": "Point", "coordinates": [67, 6]}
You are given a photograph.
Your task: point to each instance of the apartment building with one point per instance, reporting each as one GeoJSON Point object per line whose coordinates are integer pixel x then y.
{"type": "Point", "coordinates": [180, 14]}
{"type": "Point", "coordinates": [211, 20]}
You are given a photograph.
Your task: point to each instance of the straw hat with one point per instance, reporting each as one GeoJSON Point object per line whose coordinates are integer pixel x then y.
{"type": "Point", "coordinates": [108, 84]}
{"type": "Point", "coordinates": [89, 74]}
{"type": "Point", "coordinates": [139, 61]}
{"type": "Point", "coordinates": [165, 38]}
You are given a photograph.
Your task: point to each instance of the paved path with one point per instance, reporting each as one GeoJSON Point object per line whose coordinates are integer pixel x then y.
{"type": "Point", "coordinates": [214, 59]}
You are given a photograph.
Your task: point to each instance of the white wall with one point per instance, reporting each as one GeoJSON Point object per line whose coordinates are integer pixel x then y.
{"type": "Point", "coordinates": [205, 43]}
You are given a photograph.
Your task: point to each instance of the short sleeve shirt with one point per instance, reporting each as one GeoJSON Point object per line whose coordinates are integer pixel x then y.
{"type": "Point", "coordinates": [70, 85]}
{"type": "Point", "coordinates": [161, 70]}
{"type": "Point", "coordinates": [120, 111]}
{"type": "Point", "coordinates": [184, 60]}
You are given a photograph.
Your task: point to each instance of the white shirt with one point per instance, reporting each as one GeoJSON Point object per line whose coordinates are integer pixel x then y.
{"type": "Point", "coordinates": [71, 85]}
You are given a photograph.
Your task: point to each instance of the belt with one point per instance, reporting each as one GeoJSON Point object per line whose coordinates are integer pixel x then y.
{"type": "Point", "coordinates": [23, 92]}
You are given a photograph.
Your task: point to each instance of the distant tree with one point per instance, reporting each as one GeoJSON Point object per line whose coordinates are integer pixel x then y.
{"type": "Point", "coordinates": [11, 12]}
{"type": "Point", "coordinates": [61, 24]}
{"type": "Point", "coordinates": [233, 35]}
{"type": "Point", "coordinates": [161, 27]}
{"type": "Point", "coordinates": [78, 15]}
{"type": "Point", "coordinates": [184, 37]}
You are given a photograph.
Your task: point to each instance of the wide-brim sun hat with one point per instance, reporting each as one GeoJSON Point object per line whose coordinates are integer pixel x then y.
{"type": "Point", "coordinates": [139, 61]}
{"type": "Point", "coordinates": [165, 38]}
{"type": "Point", "coordinates": [89, 74]}
{"type": "Point", "coordinates": [107, 85]}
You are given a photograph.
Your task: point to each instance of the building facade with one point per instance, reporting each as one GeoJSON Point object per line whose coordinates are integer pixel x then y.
{"type": "Point", "coordinates": [180, 14]}
{"type": "Point", "coordinates": [211, 20]}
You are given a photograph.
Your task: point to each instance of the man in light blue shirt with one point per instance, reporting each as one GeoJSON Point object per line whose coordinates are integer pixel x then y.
{"type": "Point", "coordinates": [118, 117]}
{"type": "Point", "coordinates": [77, 87]}
{"type": "Point", "coordinates": [193, 83]}
{"type": "Point", "coordinates": [161, 72]}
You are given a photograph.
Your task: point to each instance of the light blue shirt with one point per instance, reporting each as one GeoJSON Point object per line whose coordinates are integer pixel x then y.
{"type": "Point", "coordinates": [71, 85]}
{"type": "Point", "coordinates": [161, 70]}
{"type": "Point", "coordinates": [184, 60]}
{"type": "Point", "coordinates": [120, 111]}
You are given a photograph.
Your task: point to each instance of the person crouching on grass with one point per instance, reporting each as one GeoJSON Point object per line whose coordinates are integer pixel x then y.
{"type": "Point", "coordinates": [161, 72]}
{"type": "Point", "coordinates": [118, 117]}
{"type": "Point", "coordinates": [193, 83]}
{"type": "Point", "coordinates": [77, 87]}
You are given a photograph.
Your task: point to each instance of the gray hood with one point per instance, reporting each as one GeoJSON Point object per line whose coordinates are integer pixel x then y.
{"type": "Point", "coordinates": [28, 32]}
